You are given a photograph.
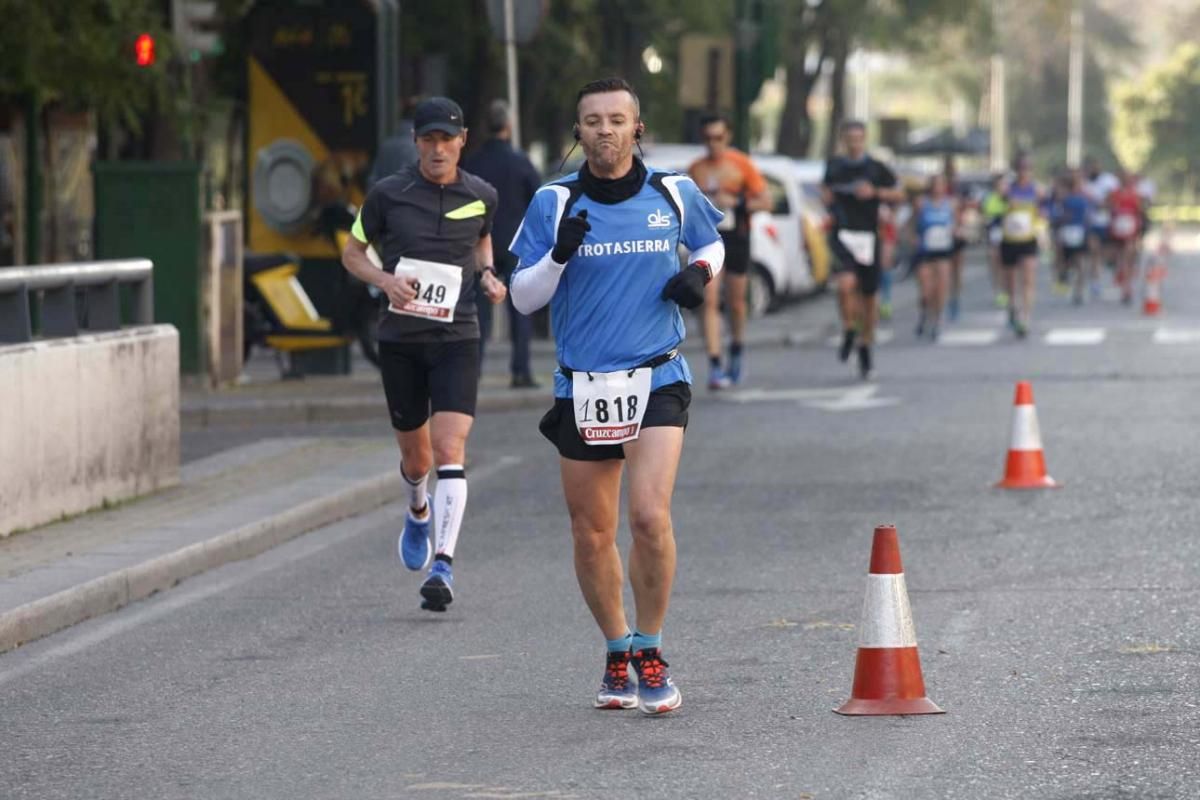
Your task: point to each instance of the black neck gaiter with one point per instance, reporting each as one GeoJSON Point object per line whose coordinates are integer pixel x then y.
{"type": "Point", "coordinates": [613, 190]}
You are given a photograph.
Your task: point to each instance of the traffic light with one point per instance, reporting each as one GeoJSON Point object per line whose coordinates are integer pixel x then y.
{"type": "Point", "coordinates": [143, 50]}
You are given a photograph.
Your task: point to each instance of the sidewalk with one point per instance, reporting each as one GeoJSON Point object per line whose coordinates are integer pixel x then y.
{"type": "Point", "coordinates": [265, 397]}
{"type": "Point", "coordinates": [227, 507]}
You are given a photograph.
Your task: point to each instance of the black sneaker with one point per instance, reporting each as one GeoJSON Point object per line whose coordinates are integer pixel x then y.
{"type": "Point", "coordinates": [864, 361]}
{"type": "Point", "coordinates": [847, 345]}
{"type": "Point", "coordinates": [524, 382]}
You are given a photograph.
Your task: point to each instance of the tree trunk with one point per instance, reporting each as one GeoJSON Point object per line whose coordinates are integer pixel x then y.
{"type": "Point", "coordinates": [837, 93]}
{"type": "Point", "coordinates": [795, 124]}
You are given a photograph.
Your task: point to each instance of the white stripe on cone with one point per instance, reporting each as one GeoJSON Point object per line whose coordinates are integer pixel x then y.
{"type": "Point", "coordinates": [1026, 435]}
{"type": "Point", "coordinates": [886, 618]}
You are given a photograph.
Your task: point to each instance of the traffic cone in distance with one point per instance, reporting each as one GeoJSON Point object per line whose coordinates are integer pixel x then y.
{"type": "Point", "coordinates": [887, 672]}
{"type": "Point", "coordinates": [1026, 465]}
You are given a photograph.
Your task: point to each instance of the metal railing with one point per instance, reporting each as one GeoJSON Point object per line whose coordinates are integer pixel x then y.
{"type": "Point", "coordinates": [61, 286]}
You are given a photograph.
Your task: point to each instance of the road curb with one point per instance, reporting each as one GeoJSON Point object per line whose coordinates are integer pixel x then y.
{"type": "Point", "coordinates": [110, 592]}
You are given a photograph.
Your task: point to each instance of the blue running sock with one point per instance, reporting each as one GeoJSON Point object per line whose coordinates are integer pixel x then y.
{"type": "Point", "coordinates": [621, 644]}
{"type": "Point", "coordinates": [645, 641]}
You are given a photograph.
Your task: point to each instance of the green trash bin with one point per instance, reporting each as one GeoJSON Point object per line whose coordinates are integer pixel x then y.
{"type": "Point", "coordinates": [152, 209]}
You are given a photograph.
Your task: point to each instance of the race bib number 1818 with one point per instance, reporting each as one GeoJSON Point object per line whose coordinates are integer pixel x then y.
{"type": "Point", "coordinates": [609, 406]}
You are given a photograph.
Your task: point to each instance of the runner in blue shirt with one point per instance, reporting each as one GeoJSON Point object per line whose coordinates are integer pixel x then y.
{"type": "Point", "coordinates": [600, 247]}
{"type": "Point", "coordinates": [1072, 214]}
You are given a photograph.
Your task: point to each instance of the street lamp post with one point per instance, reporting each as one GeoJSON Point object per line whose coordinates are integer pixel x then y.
{"type": "Point", "coordinates": [1075, 91]}
{"type": "Point", "coordinates": [510, 57]}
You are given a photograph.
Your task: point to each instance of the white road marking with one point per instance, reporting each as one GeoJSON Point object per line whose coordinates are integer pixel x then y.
{"type": "Point", "coordinates": [969, 337]}
{"type": "Point", "coordinates": [843, 398]}
{"type": "Point", "coordinates": [882, 336]}
{"type": "Point", "coordinates": [856, 399]}
{"type": "Point", "coordinates": [1074, 336]}
{"type": "Point", "coordinates": [1164, 335]}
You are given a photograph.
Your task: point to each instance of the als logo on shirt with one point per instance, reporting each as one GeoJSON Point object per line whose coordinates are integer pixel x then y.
{"type": "Point", "coordinates": [657, 219]}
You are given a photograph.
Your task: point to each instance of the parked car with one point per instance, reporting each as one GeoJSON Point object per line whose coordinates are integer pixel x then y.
{"type": "Point", "coordinates": [788, 251]}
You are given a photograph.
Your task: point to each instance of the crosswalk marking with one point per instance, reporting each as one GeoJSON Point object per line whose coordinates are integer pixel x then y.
{"type": "Point", "coordinates": [969, 337]}
{"type": "Point", "coordinates": [1075, 336]}
{"type": "Point", "coordinates": [882, 336]}
{"type": "Point", "coordinates": [1177, 336]}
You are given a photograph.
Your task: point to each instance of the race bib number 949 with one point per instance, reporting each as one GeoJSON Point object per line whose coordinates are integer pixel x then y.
{"type": "Point", "coordinates": [609, 406]}
{"type": "Point", "coordinates": [438, 287]}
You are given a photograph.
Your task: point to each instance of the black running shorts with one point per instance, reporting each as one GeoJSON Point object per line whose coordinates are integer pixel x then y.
{"type": "Point", "coordinates": [1012, 253]}
{"type": "Point", "coordinates": [667, 407]}
{"type": "Point", "coordinates": [867, 274]}
{"type": "Point", "coordinates": [418, 377]}
{"type": "Point", "coordinates": [737, 253]}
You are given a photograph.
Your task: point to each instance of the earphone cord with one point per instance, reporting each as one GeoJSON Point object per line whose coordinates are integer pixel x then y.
{"type": "Point", "coordinates": [563, 163]}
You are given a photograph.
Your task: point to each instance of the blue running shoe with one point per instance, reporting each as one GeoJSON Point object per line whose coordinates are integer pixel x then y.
{"type": "Point", "coordinates": [717, 379]}
{"type": "Point", "coordinates": [735, 370]}
{"type": "Point", "coordinates": [437, 590]}
{"type": "Point", "coordinates": [952, 308]}
{"type": "Point", "coordinates": [415, 550]}
{"type": "Point", "coordinates": [616, 690]}
{"type": "Point", "coordinates": [656, 692]}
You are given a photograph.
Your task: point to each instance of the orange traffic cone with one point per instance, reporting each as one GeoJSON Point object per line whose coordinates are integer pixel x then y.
{"type": "Point", "coordinates": [1156, 271]}
{"type": "Point", "coordinates": [1026, 466]}
{"type": "Point", "coordinates": [887, 674]}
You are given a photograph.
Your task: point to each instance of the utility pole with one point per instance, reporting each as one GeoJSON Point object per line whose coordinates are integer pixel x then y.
{"type": "Point", "coordinates": [999, 106]}
{"type": "Point", "coordinates": [1075, 90]}
{"type": "Point", "coordinates": [510, 57]}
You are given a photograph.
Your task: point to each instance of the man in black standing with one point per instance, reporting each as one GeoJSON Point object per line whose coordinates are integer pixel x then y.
{"type": "Point", "coordinates": [516, 181]}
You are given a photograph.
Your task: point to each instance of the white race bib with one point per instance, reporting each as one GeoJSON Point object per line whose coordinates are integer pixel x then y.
{"type": "Point", "coordinates": [1018, 224]}
{"type": "Point", "coordinates": [1072, 236]}
{"type": "Point", "coordinates": [609, 405]}
{"type": "Point", "coordinates": [1124, 226]}
{"type": "Point", "coordinates": [937, 239]}
{"type": "Point", "coordinates": [861, 245]}
{"type": "Point", "coordinates": [438, 286]}
{"type": "Point", "coordinates": [1100, 218]}
{"type": "Point", "coordinates": [995, 235]}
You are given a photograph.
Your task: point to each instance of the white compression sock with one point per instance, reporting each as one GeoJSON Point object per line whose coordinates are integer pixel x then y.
{"type": "Point", "coordinates": [417, 490]}
{"type": "Point", "coordinates": [450, 500]}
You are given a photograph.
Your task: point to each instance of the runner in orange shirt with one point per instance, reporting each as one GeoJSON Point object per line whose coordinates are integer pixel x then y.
{"type": "Point", "coordinates": [734, 185]}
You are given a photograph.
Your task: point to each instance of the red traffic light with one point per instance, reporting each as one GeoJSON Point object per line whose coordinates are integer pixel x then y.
{"type": "Point", "coordinates": [143, 50]}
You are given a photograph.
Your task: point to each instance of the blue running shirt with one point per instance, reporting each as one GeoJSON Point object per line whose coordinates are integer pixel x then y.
{"type": "Point", "coordinates": [607, 312]}
{"type": "Point", "coordinates": [934, 214]}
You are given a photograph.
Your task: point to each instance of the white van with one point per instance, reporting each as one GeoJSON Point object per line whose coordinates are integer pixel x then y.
{"type": "Point", "coordinates": [789, 256]}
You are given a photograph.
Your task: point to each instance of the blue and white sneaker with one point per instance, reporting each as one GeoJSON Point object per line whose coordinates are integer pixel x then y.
{"type": "Point", "coordinates": [656, 692]}
{"type": "Point", "coordinates": [616, 690]}
{"type": "Point", "coordinates": [414, 546]}
{"type": "Point", "coordinates": [735, 370]}
{"type": "Point", "coordinates": [437, 590]}
{"type": "Point", "coordinates": [717, 379]}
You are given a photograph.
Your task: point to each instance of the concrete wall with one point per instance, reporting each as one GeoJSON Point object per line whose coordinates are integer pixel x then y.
{"type": "Point", "coordinates": [86, 420]}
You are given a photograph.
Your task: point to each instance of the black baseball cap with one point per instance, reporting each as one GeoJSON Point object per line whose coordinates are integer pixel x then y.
{"type": "Point", "coordinates": [438, 114]}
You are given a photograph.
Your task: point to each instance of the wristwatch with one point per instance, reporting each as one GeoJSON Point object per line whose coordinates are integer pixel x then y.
{"type": "Point", "coordinates": [492, 270]}
{"type": "Point", "coordinates": [704, 265]}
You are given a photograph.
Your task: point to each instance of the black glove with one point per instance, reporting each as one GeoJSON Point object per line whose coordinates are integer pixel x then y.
{"type": "Point", "coordinates": [571, 231]}
{"type": "Point", "coordinates": [686, 287]}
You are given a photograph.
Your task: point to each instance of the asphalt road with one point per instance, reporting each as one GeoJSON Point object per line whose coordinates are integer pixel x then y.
{"type": "Point", "coordinates": [1058, 629]}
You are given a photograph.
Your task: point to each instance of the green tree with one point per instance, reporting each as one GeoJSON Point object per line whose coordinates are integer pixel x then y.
{"type": "Point", "coordinates": [820, 36]}
{"type": "Point", "coordinates": [80, 56]}
{"type": "Point", "coordinates": [1158, 121]}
